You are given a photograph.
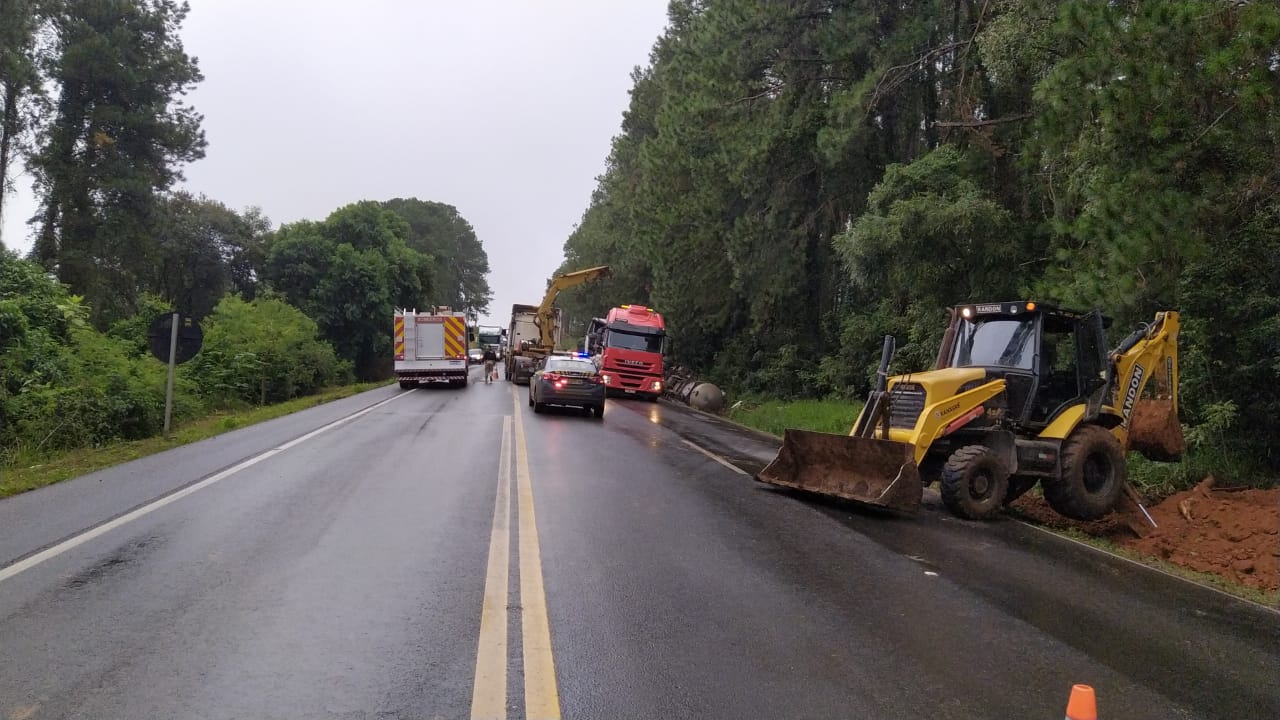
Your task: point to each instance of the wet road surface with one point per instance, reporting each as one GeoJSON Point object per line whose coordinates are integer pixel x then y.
{"type": "Point", "coordinates": [449, 554]}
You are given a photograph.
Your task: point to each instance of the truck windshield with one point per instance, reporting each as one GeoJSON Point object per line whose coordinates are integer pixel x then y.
{"type": "Point", "coordinates": [634, 341]}
{"type": "Point", "coordinates": [493, 339]}
{"type": "Point", "coordinates": [1000, 342]}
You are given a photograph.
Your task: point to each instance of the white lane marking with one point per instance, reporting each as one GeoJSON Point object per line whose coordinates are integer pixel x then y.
{"type": "Point", "coordinates": [84, 537]}
{"type": "Point", "coordinates": [489, 695]}
{"type": "Point", "coordinates": [541, 694]}
{"type": "Point", "coordinates": [715, 457]}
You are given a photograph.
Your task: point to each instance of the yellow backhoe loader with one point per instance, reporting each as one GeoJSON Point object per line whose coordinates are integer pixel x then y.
{"type": "Point", "coordinates": [1021, 393]}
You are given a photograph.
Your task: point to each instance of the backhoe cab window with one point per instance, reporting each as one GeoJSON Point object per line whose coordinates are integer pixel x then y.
{"type": "Point", "coordinates": [998, 342]}
{"type": "Point", "coordinates": [634, 341]}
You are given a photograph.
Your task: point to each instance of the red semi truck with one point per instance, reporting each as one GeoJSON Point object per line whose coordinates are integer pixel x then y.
{"type": "Point", "coordinates": [628, 344]}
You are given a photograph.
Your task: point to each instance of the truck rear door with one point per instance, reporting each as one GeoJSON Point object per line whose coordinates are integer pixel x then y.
{"type": "Point", "coordinates": [430, 340]}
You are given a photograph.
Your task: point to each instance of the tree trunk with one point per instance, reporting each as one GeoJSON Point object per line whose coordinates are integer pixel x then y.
{"type": "Point", "coordinates": [56, 240]}
{"type": "Point", "coordinates": [8, 128]}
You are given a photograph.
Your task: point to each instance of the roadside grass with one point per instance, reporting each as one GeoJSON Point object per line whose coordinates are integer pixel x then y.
{"type": "Point", "coordinates": [832, 415]}
{"type": "Point", "coordinates": [31, 473]}
{"type": "Point", "coordinates": [1158, 480]}
{"type": "Point", "coordinates": [1154, 479]}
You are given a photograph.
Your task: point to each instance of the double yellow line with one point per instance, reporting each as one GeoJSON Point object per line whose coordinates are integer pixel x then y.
{"type": "Point", "coordinates": [489, 696]}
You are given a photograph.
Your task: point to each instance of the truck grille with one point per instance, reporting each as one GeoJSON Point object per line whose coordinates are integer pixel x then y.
{"type": "Point", "coordinates": [629, 380]}
{"type": "Point", "coordinates": [906, 402]}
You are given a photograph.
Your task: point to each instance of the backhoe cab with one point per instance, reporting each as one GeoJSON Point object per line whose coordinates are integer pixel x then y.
{"type": "Point", "coordinates": [1021, 393]}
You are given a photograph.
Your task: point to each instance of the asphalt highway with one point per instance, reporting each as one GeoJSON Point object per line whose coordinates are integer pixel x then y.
{"type": "Point", "coordinates": [449, 554]}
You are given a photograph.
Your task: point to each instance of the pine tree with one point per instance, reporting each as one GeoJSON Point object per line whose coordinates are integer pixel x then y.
{"type": "Point", "coordinates": [118, 136]}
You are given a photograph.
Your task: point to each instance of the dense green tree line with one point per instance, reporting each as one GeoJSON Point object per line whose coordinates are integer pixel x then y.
{"type": "Point", "coordinates": [92, 104]}
{"type": "Point", "coordinates": [794, 179]}
{"type": "Point", "coordinates": [350, 270]}
{"type": "Point", "coordinates": [64, 384]}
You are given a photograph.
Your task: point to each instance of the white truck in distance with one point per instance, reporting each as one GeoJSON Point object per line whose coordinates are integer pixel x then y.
{"type": "Point", "coordinates": [490, 337]}
{"type": "Point", "coordinates": [430, 347]}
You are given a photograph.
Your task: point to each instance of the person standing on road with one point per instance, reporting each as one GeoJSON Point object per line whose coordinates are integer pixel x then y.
{"type": "Point", "coordinates": [490, 357]}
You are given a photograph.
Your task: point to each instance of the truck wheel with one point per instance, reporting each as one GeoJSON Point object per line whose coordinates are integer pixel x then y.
{"type": "Point", "coordinates": [405, 385]}
{"type": "Point", "coordinates": [1093, 475]}
{"type": "Point", "coordinates": [974, 482]}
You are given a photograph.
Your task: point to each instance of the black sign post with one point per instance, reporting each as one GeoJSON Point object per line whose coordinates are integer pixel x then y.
{"type": "Point", "coordinates": [174, 339]}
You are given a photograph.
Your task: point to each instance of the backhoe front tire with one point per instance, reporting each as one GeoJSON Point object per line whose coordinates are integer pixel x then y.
{"type": "Point", "coordinates": [974, 482]}
{"type": "Point", "coordinates": [1093, 475]}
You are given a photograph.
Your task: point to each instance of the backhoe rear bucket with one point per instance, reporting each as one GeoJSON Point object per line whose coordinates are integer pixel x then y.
{"type": "Point", "coordinates": [866, 470]}
{"type": "Point", "coordinates": [1155, 431]}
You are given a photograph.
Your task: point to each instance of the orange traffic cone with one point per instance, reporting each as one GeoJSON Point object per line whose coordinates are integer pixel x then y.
{"type": "Point", "coordinates": [1082, 705]}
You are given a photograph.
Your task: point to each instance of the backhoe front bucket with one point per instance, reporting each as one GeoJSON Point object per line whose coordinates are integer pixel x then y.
{"type": "Point", "coordinates": [866, 470]}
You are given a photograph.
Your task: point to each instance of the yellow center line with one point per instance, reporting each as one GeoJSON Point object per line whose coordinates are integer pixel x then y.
{"type": "Point", "coordinates": [489, 696]}
{"type": "Point", "coordinates": [541, 698]}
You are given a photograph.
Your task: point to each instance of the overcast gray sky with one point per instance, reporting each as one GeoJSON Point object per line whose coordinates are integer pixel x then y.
{"type": "Point", "coordinates": [502, 108]}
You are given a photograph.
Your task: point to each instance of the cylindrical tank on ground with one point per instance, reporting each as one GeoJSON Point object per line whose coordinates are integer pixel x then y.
{"type": "Point", "coordinates": [706, 397]}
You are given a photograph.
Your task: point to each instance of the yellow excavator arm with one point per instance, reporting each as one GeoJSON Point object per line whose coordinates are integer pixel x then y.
{"type": "Point", "coordinates": [1149, 424]}
{"type": "Point", "coordinates": [544, 317]}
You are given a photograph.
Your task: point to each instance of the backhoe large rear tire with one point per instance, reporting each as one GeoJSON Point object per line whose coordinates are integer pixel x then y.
{"type": "Point", "coordinates": [974, 482]}
{"type": "Point", "coordinates": [1093, 475]}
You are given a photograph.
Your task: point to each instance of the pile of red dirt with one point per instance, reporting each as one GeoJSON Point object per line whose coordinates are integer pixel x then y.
{"type": "Point", "coordinates": [1234, 533]}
